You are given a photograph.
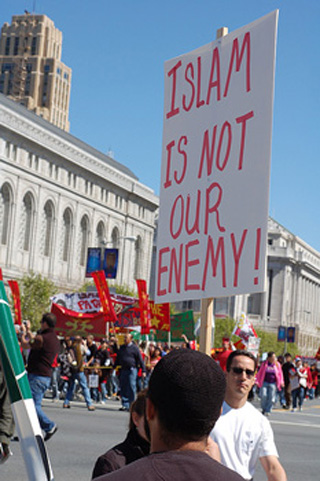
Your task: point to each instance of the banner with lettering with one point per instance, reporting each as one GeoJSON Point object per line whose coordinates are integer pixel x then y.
{"type": "Point", "coordinates": [214, 193]}
{"type": "Point", "coordinates": [15, 291]}
{"type": "Point", "coordinates": [160, 316]}
{"type": "Point", "coordinates": [90, 301]}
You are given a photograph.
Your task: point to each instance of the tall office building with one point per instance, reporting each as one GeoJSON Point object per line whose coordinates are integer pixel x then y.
{"type": "Point", "coordinates": [31, 69]}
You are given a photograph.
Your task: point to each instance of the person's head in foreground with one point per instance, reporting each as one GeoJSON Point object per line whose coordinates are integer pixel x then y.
{"type": "Point", "coordinates": [185, 394]}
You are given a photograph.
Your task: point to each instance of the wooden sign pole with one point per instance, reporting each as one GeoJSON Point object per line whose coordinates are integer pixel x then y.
{"type": "Point", "coordinates": [207, 304]}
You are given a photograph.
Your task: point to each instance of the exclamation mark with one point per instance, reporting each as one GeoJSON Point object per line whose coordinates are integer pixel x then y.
{"type": "Point", "coordinates": [257, 258]}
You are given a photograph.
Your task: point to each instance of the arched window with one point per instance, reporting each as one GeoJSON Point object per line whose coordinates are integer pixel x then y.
{"type": "Point", "coordinates": [27, 220]}
{"type": "Point", "coordinates": [67, 226]}
{"type": "Point", "coordinates": [115, 237]}
{"type": "Point", "coordinates": [84, 233]}
{"type": "Point", "coordinates": [138, 258]}
{"type": "Point", "coordinates": [48, 228]}
{"type": "Point", "coordinates": [100, 234]}
{"type": "Point", "coordinates": [5, 212]}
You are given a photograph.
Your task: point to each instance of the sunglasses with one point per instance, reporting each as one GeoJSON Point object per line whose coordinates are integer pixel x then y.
{"type": "Point", "coordinates": [239, 370]}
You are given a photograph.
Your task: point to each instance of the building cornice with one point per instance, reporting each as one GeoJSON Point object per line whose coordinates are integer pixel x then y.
{"type": "Point", "coordinates": [18, 119]}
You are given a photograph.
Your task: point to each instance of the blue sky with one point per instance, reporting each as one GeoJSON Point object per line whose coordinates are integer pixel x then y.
{"type": "Point", "coordinates": [117, 50]}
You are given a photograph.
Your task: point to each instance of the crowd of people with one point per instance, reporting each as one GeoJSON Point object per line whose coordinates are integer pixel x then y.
{"type": "Point", "coordinates": [174, 397]}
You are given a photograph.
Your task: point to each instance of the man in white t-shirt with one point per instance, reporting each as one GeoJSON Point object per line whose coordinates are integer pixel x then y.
{"type": "Point", "coordinates": [243, 434]}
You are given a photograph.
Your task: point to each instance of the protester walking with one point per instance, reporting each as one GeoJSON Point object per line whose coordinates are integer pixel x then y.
{"type": "Point", "coordinates": [44, 347]}
{"type": "Point", "coordinates": [286, 367]}
{"type": "Point", "coordinates": [269, 379]}
{"type": "Point", "coordinates": [78, 375]}
{"type": "Point", "coordinates": [129, 359]}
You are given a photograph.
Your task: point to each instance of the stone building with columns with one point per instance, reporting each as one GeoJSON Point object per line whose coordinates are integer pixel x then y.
{"type": "Point", "coordinates": [292, 296]}
{"type": "Point", "coordinates": [59, 196]}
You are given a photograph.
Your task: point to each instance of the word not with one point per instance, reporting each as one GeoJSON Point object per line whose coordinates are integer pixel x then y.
{"type": "Point", "coordinates": [210, 155]}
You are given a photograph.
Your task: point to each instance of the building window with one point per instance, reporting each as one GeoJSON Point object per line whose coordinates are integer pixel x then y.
{"type": "Point", "coordinates": [254, 304]}
{"type": "Point", "coordinates": [14, 152]}
{"type": "Point", "coordinates": [10, 82]}
{"type": "Point", "coordinates": [5, 213]}
{"type": "Point", "coordinates": [27, 218]}
{"type": "Point", "coordinates": [84, 233]}
{"type": "Point", "coordinates": [67, 218]}
{"type": "Point", "coordinates": [138, 258]}
{"type": "Point", "coordinates": [30, 158]}
{"type": "Point", "coordinates": [7, 152]}
{"type": "Point", "coordinates": [141, 211]}
{"type": "Point", "coordinates": [100, 234]}
{"type": "Point", "coordinates": [115, 238]}
{"type": "Point", "coordinates": [7, 50]}
{"type": "Point", "coordinates": [2, 83]}
{"type": "Point", "coordinates": [34, 46]}
{"type": "Point", "coordinates": [16, 46]}
{"type": "Point", "coordinates": [28, 79]}
{"type": "Point", "coordinates": [186, 305]}
{"type": "Point", "coordinates": [47, 68]}
{"type": "Point", "coordinates": [48, 221]}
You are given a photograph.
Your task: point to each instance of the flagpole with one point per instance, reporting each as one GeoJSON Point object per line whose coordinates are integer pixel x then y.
{"type": "Point", "coordinates": [27, 424]}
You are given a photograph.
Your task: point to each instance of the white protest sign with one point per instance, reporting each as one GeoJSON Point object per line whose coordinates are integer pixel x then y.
{"type": "Point", "coordinates": [216, 166]}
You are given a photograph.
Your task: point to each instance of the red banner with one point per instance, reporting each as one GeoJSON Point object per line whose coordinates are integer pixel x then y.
{"type": "Point", "coordinates": [100, 281]}
{"type": "Point", "coordinates": [70, 323]}
{"type": "Point", "coordinates": [1, 277]}
{"type": "Point", "coordinates": [14, 286]}
{"type": "Point", "coordinates": [144, 306]}
{"type": "Point", "coordinates": [160, 316]}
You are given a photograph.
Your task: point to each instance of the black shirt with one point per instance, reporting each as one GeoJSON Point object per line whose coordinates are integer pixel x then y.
{"type": "Point", "coordinates": [129, 356]}
{"type": "Point", "coordinates": [132, 448]}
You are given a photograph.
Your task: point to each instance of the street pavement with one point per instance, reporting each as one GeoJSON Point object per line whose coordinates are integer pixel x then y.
{"type": "Point", "coordinates": [82, 436]}
{"type": "Point", "coordinates": [297, 437]}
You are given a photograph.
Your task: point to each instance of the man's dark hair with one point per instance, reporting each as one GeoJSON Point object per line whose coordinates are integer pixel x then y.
{"type": "Point", "coordinates": [187, 389]}
{"type": "Point", "coordinates": [271, 353]}
{"type": "Point", "coordinates": [240, 352]}
{"type": "Point", "coordinates": [49, 318]}
{"type": "Point", "coordinates": [287, 354]}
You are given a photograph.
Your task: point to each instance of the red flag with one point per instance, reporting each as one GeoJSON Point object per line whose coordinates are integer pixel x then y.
{"type": "Point", "coordinates": [1, 278]}
{"type": "Point", "coordinates": [145, 316]}
{"type": "Point", "coordinates": [240, 345]}
{"type": "Point", "coordinates": [71, 322]}
{"type": "Point", "coordinates": [100, 281]}
{"type": "Point", "coordinates": [160, 316]}
{"type": "Point", "coordinates": [14, 286]}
